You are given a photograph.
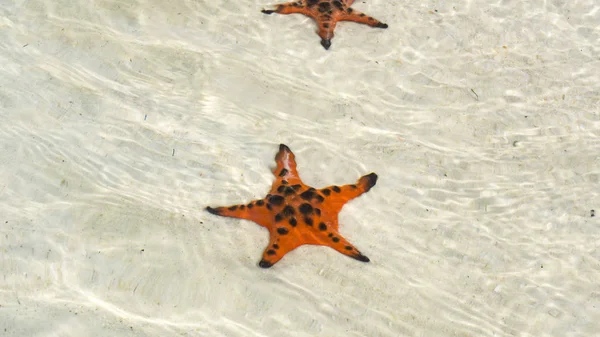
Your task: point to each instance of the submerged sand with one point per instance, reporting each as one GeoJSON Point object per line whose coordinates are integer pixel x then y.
{"type": "Point", "coordinates": [121, 121]}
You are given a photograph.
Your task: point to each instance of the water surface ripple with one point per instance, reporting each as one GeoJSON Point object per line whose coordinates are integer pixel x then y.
{"type": "Point", "coordinates": [121, 121]}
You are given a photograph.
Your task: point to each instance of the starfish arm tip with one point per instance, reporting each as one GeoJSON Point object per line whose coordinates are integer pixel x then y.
{"type": "Point", "coordinates": [283, 147]}
{"type": "Point", "coordinates": [326, 44]}
{"type": "Point", "coordinates": [267, 11]}
{"type": "Point", "coordinates": [362, 258]}
{"type": "Point", "coordinates": [265, 264]}
{"type": "Point", "coordinates": [213, 210]}
{"type": "Point", "coordinates": [371, 180]}
{"type": "Point", "coordinates": [382, 25]}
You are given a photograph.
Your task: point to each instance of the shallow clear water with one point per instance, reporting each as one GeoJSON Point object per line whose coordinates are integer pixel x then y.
{"type": "Point", "coordinates": [120, 121]}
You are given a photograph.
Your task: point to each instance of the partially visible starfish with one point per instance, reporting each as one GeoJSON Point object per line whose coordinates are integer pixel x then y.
{"type": "Point", "coordinates": [296, 214]}
{"type": "Point", "coordinates": [327, 13]}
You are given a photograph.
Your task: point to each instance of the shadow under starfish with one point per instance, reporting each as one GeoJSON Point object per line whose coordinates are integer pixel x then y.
{"type": "Point", "coordinates": [326, 13]}
{"type": "Point", "coordinates": [296, 214]}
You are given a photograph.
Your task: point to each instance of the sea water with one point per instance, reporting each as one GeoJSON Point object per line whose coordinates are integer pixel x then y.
{"type": "Point", "coordinates": [120, 121]}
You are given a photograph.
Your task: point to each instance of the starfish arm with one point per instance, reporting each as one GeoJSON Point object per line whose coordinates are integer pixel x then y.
{"type": "Point", "coordinates": [356, 16]}
{"type": "Point", "coordinates": [289, 8]}
{"type": "Point", "coordinates": [256, 211]}
{"type": "Point", "coordinates": [339, 243]}
{"type": "Point", "coordinates": [279, 245]}
{"type": "Point", "coordinates": [285, 172]}
{"type": "Point", "coordinates": [325, 31]}
{"type": "Point", "coordinates": [336, 196]}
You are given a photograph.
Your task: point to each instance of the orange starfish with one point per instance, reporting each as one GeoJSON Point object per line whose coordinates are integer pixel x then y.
{"type": "Point", "coordinates": [296, 214]}
{"type": "Point", "coordinates": [327, 13]}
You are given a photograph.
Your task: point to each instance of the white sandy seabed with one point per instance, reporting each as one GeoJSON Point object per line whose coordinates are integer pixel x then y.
{"type": "Point", "coordinates": [120, 121]}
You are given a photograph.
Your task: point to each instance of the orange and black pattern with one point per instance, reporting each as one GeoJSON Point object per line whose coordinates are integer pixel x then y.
{"type": "Point", "coordinates": [326, 13]}
{"type": "Point", "coordinates": [296, 214]}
